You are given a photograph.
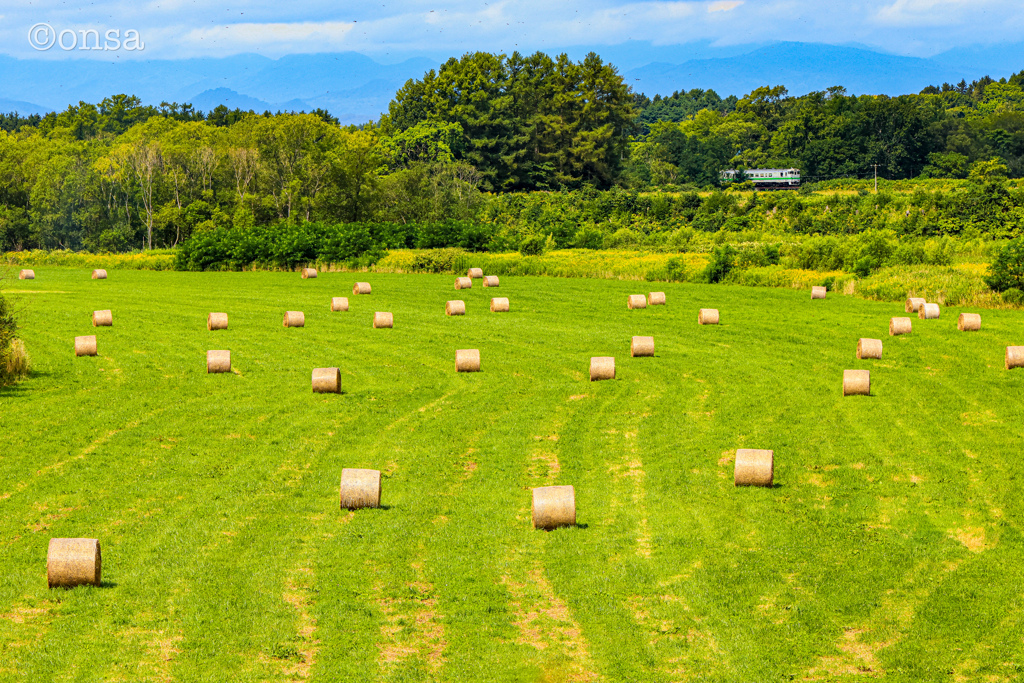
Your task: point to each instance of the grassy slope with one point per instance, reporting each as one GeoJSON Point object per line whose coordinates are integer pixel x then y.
{"type": "Point", "coordinates": [892, 541]}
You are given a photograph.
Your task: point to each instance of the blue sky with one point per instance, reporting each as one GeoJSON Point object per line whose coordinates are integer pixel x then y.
{"type": "Point", "coordinates": [193, 28]}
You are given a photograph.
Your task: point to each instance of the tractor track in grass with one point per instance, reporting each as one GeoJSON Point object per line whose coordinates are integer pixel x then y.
{"type": "Point", "coordinates": [24, 627]}
{"type": "Point", "coordinates": [627, 499]}
{"type": "Point", "coordinates": [412, 631]}
{"type": "Point", "coordinates": [299, 585]}
{"type": "Point", "coordinates": [542, 619]}
{"type": "Point", "coordinates": [860, 645]}
{"type": "Point", "coordinates": [546, 624]}
{"type": "Point", "coordinates": [55, 467]}
{"type": "Point", "coordinates": [682, 643]}
{"type": "Point", "coordinates": [412, 634]}
{"type": "Point", "coordinates": [156, 649]}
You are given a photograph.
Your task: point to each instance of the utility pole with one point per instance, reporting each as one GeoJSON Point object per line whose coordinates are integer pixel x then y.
{"type": "Point", "coordinates": [876, 178]}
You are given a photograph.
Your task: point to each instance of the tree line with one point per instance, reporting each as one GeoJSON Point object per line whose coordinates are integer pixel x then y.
{"type": "Point", "coordinates": [461, 144]}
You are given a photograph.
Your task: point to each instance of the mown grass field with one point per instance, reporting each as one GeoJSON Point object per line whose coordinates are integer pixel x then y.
{"type": "Point", "coordinates": [891, 544]}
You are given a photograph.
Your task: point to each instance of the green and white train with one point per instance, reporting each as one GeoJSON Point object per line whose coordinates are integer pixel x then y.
{"type": "Point", "coordinates": [768, 178]}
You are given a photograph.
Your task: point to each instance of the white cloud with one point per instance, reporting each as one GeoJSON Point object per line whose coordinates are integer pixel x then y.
{"type": "Point", "coordinates": [724, 5]}
{"type": "Point", "coordinates": [250, 36]}
{"type": "Point", "coordinates": [921, 13]}
{"type": "Point", "coordinates": [184, 28]}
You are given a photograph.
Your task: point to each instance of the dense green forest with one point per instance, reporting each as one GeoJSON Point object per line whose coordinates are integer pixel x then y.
{"type": "Point", "coordinates": [511, 150]}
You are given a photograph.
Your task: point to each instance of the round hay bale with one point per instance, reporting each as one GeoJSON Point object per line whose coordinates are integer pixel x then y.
{"type": "Point", "coordinates": [339, 304]}
{"type": "Point", "coordinates": [467, 360]}
{"type": "Point", "coordinates": [553, 507]}
{"type": "Point", "coordinates": [968, 322]}
{"type": "Point", "coordinates": [27, 275]}
{"type": "Point", "coordinates": [294, 319]}
{"type": "Point", "coordinates": [928, 311]}
{"type": "Point", "coordinates": [818, 292]}
{"type": "Point", "coordinates": [360, 489]}
{"type": "Point", "coordinates": [218, 361]}
{"type": "Point", "coordinates": [499, 305]}
{"type": "Point", "coordinates": [308, 273]}
{"type": "Point", "coordinates": [456, 307]}
{"type": "Point", "coordinates": [754, 467]}
{"type": "Point", "coordinates": [899, 326]}
{"type": "Point", "coordinates": [476, 273]}
{"type": "Point", "coordinates": [326, 381]}
{"type": "Point", "coordinates": [707, 316]}
{"type": "Point", "coordinates": [869, 348]}
{"type": "Point", "coordinates": [491, 281]}
{"type": "Point", "coordinates": [913, 303]}
{"type": "Point", "coordinates": [637, 301]}
{"type": "Point", "coordinates": [73, 562]}
{"type": "Point", "coordinates": [463, 283]}
{"type": "Point", "coordinates": [99, 274]}
{"type": "Point", "coordinates": [656, 298]}
{"type": "Point", "coordinates": [856, 383]}
{"type": "Point", "coordinates": [361, 288]}
{"type": "Point", "coordinates": [383, 320]}
{"type": "Point", "coordinates": [85, 346]}
{"type": "Point", "coordinates": [641, 346]}
{"type": "Point", "coordinates": [102, 318]}
{"type": "Point", "coordinates": [217, 321]}
{"type": "Point", "coordinates": [1014, 357]}
{"type": "Point", "coordinates": [602, 367]}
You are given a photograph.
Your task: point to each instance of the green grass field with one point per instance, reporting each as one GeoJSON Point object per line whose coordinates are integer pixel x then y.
{"type": "Point", "coordinates": [891, 544]}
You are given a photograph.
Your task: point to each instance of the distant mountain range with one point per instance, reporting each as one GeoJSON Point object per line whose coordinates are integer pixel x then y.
{"type": "Point", "coordinates": [356, 88]}
{"type": "Point", "coordinates": [803, 68]}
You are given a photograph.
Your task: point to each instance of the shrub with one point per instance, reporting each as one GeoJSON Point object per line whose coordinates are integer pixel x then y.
{"type": "Point", "coordinates": [675, 269]}
{"type": "Point", "coordinates": [1007, 268]}
{"type": "Point", "coordinates": [623, 238]}
{"type": "Point", "coordinates": [1014, 296]}
{"type": "Point", "coordinates": [709, 222]}
{"type": "Point", "coordinates": [588, 237]}
{"type": "Point", "coordinates": [721, 264]}
{"type": "Point", "coordinates": [532, 245]}
{"type": "Point", "coordinates": [864, 266]}
{"type": "Point", "coordinates": [436, 260]}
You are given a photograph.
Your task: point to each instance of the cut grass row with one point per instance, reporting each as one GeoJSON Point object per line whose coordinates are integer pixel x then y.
{"type": "Point", "coordinates": [891, 543]}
